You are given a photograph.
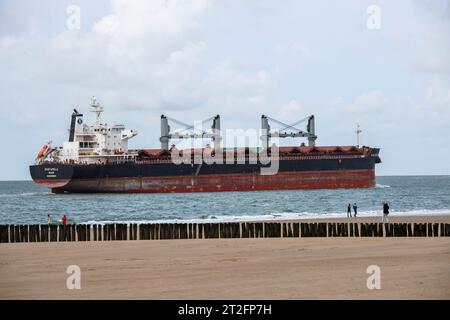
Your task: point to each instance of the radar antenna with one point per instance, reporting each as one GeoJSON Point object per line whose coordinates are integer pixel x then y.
{"type": "Point", "coordinates": [96, 108]}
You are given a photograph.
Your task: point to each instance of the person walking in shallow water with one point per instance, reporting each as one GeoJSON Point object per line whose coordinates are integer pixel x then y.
{"type": "Point", "coordinates": [355, 209]}
{"type": "Point", "coordinates": [49, 219]}
{"type": "Point", "coordinates": [384, 219]}
{"type": "Point", "coordinates": [349, 211]}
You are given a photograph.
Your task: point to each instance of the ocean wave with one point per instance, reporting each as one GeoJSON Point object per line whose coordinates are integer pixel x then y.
{"type": "Point", "coordinates": [278, 216]}
{"type": "Point", "coordinates": [378, 185]}
{"type": "Point", "coordinates": [31, 194]}
{"type": "Point", "coordinates": [24, 194]}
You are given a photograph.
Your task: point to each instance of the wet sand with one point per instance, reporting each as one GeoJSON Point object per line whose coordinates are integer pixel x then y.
{"type": "Point", "coordinates": [289, 268]}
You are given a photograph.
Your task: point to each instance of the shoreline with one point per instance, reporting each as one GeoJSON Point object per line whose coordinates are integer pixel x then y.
{"type": "Point", "coordinates": [402, 218]}
{"type": "Point", "coordinates": [419, 217]}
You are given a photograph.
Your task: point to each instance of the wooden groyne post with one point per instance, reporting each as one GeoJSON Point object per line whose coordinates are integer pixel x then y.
{"type": "Point", "coordinates": [217, 230]}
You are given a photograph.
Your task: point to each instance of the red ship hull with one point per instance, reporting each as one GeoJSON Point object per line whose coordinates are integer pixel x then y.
{"type": "Point", "coordinates": [229, 182]}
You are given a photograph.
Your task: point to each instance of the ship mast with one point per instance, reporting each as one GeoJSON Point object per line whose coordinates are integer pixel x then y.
{"type": "Point", "coordinates": [358, 132]}
{"type": "Point", "coordinates": [97, 109]}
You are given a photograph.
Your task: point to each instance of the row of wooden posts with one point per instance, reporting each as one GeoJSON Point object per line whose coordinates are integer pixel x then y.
{"type": "Point", "coordinates": [165, 231]}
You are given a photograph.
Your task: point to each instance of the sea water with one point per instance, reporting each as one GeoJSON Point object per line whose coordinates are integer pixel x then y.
{"type": "Point", "coordinates": [25, 202]}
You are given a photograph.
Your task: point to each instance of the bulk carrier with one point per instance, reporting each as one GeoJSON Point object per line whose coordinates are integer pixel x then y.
{"type": "Point", "coordinates": [96, 158]}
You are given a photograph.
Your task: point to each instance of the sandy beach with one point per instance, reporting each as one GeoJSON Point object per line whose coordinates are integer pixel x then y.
{"type": "Point", "coordinates": [295, 268]}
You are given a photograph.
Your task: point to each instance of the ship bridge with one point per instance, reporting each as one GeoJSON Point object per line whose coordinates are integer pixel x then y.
{"type": "Point", "coordinates": [97, 142]}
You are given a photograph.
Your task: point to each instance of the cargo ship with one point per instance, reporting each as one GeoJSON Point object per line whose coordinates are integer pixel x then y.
{"type": "Point", "coordinates": [96, 158]}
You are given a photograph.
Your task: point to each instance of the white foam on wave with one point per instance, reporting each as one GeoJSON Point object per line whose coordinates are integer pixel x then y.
{"type": "Point", "coordinates": [23, 194]}
{"type": "Point", "coordinates": [379, 185]}
{"type": "Point", "coordinates": [27, 194]}
{"type": "Point", "coordinates": [280, 216]}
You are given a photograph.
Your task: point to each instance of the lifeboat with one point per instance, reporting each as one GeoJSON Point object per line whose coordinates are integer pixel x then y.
{"type": "Point", "coordinates": [46, 149]}
{"type": "Point", "coordinates": [43, 151]}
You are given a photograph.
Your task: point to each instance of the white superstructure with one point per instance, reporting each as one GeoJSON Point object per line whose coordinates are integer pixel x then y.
{"type": "Point", "coordinates": [93, 143]}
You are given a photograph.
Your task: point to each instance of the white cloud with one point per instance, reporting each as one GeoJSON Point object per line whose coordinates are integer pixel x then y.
{"type": "Point", "coordinates": [140, 50]}
{"type": "Point", "coordinates": [294, 49]}
{"type": "Point", "coordinates": [107, 25]}
{"type": "Point", "coordinates": [368, 102]}
{"type": "Point", "coordinates": [438, 93]}
{"type": "Point", "coordinates": [139, 18]}
{"type": "Point", "coordinates": [142, 56]}
{"type": "Point", "coordinates": [291, 111]}
{"type": "Point", "coordinates": [228, 79]}
{"type": "Point", "coordinates": [432, 55]}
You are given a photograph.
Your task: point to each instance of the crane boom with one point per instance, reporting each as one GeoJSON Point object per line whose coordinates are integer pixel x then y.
{"type": "Point", "coordinates": [167, 135]}
{"type": "Point", "coordinates": [267, 134]}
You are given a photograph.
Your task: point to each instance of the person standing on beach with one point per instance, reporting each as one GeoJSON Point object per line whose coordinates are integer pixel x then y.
{"type": "Point", "coordinates": [64, 220]}
{"type": "Point", "coordinates": [49, 219]}
{"type": "Point", "coordinates": [384, 219]}
{"type": "Point", "coordinates": [349, 211]}
{"type": "Point", "coordinates": [355, 208]}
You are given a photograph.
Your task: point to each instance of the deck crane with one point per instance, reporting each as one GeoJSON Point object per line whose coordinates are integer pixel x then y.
{"type": "Point", "coordinates": [190, 131]}
{"type": "Point", "coordinates": [294, 133]}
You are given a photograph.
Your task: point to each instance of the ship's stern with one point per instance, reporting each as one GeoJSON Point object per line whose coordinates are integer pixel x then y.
{"type": "Point", "coordinates": [54, 176]}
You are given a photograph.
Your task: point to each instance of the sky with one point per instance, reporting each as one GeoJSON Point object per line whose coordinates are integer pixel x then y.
{"type": "Point", "coordinates": [388, 70]}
